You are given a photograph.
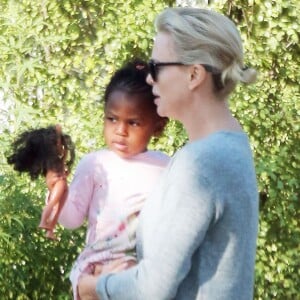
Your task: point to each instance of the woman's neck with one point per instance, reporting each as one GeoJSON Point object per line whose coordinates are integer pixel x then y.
{"type": "Point", "coordinates": [205, 117]}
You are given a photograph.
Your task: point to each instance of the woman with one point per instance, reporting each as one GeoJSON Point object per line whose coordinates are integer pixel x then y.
{"type": "Point", "coordinates": [198, 230]}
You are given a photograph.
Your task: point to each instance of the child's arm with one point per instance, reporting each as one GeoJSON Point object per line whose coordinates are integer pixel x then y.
{"type": "Point", "coordinates": [80, 195]}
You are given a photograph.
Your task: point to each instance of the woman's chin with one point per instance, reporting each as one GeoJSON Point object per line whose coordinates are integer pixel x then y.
{"type": "Point", "coordinates": [160, 111]}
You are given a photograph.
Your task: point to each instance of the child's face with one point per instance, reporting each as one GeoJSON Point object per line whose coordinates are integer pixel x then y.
{"type": "Point", "coordinates": [129, 124]}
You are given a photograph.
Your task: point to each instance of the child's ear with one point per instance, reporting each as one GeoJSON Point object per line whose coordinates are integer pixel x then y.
{"type": "Point", "coordinates": [160, 126]}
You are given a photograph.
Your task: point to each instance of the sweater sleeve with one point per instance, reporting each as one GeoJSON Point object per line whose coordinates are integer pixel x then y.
{"type": "Point", "coordinates": [186, 211]}
{"type": "Point", "coordinates": [80, 193]}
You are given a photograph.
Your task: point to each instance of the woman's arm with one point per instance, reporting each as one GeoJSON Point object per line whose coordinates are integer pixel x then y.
{"type": "Point", "coordinates": [187, 210]}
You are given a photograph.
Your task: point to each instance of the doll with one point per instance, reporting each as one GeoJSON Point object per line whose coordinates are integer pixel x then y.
{"type": "Point", "coordinates": [45, 152]}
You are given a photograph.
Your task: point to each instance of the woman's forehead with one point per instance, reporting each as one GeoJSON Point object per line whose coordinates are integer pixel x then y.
{"type": "Point", "coordinates": [163, 47]}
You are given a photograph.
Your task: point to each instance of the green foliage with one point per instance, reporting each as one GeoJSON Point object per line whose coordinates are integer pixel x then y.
{"type": "Point", "coordinates": [32, 267]}
{"type": "Point", "coordinates": [56, 58]}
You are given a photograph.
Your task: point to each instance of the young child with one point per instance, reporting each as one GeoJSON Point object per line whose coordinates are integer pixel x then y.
{"type": "Point", "coordinates": [44, 152]}
{"type": "Point", "coordinates": [110, 185]}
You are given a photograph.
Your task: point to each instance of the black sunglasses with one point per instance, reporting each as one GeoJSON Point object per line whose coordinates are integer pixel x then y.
{"type": "Point", "coordinates": [154, 67]}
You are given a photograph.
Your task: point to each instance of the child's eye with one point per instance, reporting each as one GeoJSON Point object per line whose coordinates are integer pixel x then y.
{"type": "Point", "coordinates": [134, 123]}
{"type": "Point", "coordinates": [110, 119]}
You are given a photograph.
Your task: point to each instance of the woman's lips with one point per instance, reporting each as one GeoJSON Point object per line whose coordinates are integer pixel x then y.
{"type": "Point", "coordinates": [156, 99]}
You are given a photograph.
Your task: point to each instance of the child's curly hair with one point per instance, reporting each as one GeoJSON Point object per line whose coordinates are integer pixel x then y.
{"type": "Point", "coordinates": [39, 150]}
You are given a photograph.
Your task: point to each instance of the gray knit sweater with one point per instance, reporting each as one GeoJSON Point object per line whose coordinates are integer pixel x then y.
{"type": "Point", "coordinates": [198, 230]}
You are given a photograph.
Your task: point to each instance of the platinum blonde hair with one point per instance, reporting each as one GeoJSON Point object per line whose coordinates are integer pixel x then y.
{"type": "Point", "coordinates": [207, 37]}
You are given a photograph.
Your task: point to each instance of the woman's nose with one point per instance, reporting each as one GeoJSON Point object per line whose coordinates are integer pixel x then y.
{"type": "Point", "coordinates": [149, 79]}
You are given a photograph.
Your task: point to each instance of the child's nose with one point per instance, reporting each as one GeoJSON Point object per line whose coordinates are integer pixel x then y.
{"type": "Point", "coordinates": [121, 129]}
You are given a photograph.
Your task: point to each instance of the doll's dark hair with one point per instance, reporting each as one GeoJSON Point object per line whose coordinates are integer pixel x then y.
{"type": "Point", "coordinates": [39, 150]}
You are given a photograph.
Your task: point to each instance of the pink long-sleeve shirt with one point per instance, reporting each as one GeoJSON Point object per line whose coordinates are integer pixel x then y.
{"type": "Point", "coordinates": [109, 192]}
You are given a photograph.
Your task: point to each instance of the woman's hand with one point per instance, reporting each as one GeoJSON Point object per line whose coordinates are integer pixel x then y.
{"type": "Point", "coordinates": [87, 287]}
{"type": "Point", "coordinates": [114, 266]}
{"type": "Point", "coordinates": [87, 283]}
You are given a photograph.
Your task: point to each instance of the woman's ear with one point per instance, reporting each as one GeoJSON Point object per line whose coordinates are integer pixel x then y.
{"type": "Point", "coordinates": [160, 126]}
{"type": "Point", "coordinates": [197, 76]}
